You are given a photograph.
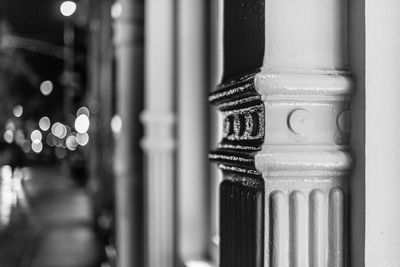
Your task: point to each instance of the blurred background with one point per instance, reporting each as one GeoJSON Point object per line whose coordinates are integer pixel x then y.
{"type": "Point", "coordinates": [104, 132]}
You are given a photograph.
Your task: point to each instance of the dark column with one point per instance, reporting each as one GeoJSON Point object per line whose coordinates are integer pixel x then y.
{"type": "Point", "coordinates": [127, 164]}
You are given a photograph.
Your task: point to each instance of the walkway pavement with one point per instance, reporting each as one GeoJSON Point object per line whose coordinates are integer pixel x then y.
{"type": "Point", "coordinates": [49, 223]}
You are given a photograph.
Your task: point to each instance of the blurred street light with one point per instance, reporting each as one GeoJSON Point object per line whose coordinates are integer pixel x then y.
{"type": "Point", "coordinates": [37, 147]}
{"type": "Point", "coordinates": [82, 123]}
{"type": "Point", "coordinates": [82, 139]}
{"type": "Point", "coordinates": [36, 136]}
{"type": "Point", "coordinates": [44, 123]}
{"type": "Point", "coordinates": [116, 124]}
{"type": "Point", "coordinates": [116, 10]}
{"type": "Point", "coordinates": [46, 87]}
{"type": "Point", "coordinates": [8, 136]}
{"type": "Point", "coordinates": [83, 110]}
{"type": "Point", "coordinates": [67, 8]}
{"type": "Point", "coordinates": [17, 111]}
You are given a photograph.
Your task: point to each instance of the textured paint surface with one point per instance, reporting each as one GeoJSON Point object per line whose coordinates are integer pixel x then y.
{"type": "Point", "coordinates": [243, 37]}
{"type": "Point", "coordinates": [242, 190]}
{"type": "Point", "coordinates": [241, 223]}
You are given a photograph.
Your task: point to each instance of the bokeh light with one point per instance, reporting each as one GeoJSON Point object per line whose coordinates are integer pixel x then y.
{"type": "Point", "coordinates": [116, 124]}
{"type": "Point", "coordinates": [82, 110]}
{"type": "Point", "coordinates": [44, 123]}
{"type": "Point", "coordinates": [82, 123]}
{"type": "Point", "coordinates": [71, 142]}
{"type": "Point", "coordinates": [67, 8]}
{"type": "Point", "coordinates": [82, 139]}
{"type": "Point", "coordinates": [36, 136]}
{"type": "Point", "coordinates": [116, 10]}
{"type": "Point", "coordinates": [18, 110]}
{"type": "Point", "coordinates": [46, 87]}
{"type": "Point", "coordinates": [59, 130]}
{"type": "Point", "coordinates": [8, 136]}
{"type": "Point", "coordinates": [37, 147]}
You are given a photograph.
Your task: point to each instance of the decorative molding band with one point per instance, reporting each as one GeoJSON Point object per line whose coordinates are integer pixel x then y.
{"type": "Point", "coordinates": [242, 115]}
{"type": "Point", "coordinates": [242, 191]}
{"type": "Point", "coordinates": [318, 85]}
{"type": "Point", "coordinates": [236, 88]}
{"type": "Point", "coordinates": [131, 20]}
{"type": "Point", "coordinates": [159, 129]}
{"type": "Point", "coordinates": [239, 170]}
{"type": "Point", "coordinates": [305, 162]}
{"type": "Point", "coordinates": [305, 109]}
{"type": "Point", "coordinates": [315, 159]}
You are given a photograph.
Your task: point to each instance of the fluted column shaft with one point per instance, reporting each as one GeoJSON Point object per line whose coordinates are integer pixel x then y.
{"type": "Point", "coordinates": [158, 142]}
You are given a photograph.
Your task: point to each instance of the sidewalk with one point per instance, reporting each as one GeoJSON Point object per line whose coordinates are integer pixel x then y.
{"type": "Point", "coordinates": [51, 226]}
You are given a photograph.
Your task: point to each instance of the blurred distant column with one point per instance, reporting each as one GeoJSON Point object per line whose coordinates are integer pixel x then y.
{"type": "Point", "coordinates": [193, 130]}
{"type": "Point", "coordinates": [129, 79]}
{"type": "Point", "coordinates": [100, 99]}
{"type": "Point", "coordinates": [158, 142]}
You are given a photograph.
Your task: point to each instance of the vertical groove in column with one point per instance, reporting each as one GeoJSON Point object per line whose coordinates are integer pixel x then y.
{"type": "Point", "coordinates": [252, 217]}
{"type": "Point", "coordinates": [223, 223]}
{"type": "Point", "coordinates": [242, 228]}
{"type": "Point", "coordinates": [241, 225]}
{"type": "Point", "coordinates": [298, 230]}
{"type": "Point", "coordinates": [336, 228]}
{"type": "Point", "coordinates": [259, 257]}
{"type": "Point", "coordinates": [278, 228]}
{"type": "Point", "coordinates": [317, 229]}
{"type": "Point", "coordinates": [160, 215]}
{"type": "Point", "coordinates": [249, 247]}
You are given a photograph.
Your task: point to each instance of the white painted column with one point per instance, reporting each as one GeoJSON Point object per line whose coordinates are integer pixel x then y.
{"type": "Point", "coordinates": [129, 79]}
{"type": "Point", "coordinates": [193, 172]}
{"type": "Point", "coordinates": [305, 159]}
{"type": "Point", "coordinates": [158, 143]}
{"type": "Point", "coordinates": [382, 128]}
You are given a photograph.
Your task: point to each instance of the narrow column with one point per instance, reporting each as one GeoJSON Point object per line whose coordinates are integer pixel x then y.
{"type": "Point", "coordinates": [158, 143]}
{"type": "Point", "coordinates": [129, 69]}
{"type": "Point", "coordinates": [101, 89]}
{"type": "Point", "coordinates": [193, 173]}
{"type": "Point", "coordinates": [305, 159]}
{"type": "Point", "coordinates": [285, 100]}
